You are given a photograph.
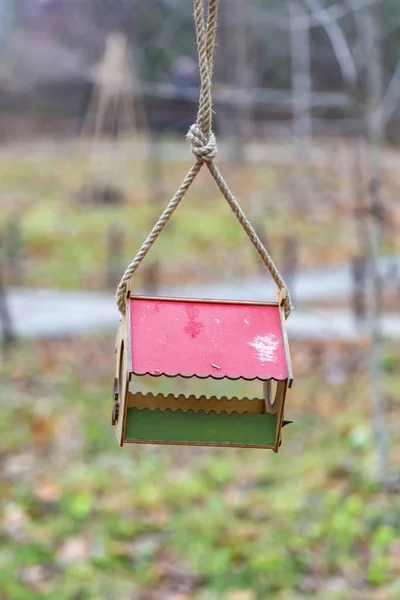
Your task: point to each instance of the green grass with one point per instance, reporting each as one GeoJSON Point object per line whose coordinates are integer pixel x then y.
{"type": "Point", "coordinates": [65, 241]}
{"type": "Point", "coordinates": [82, 518]}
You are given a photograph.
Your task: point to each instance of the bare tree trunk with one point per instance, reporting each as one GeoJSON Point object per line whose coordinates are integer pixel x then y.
{"type": "Point", "coordinates": [371, 38]}
{"type": "Point", "coordinates": [8, 335]}
{"type": "Point", "coordinates": [155, 168]}
{"type": "Point", "coordinates": [301, 100]}
{"type": "Point", "coordinates": [361, 219]}
{"type": "Point", "coordinates": [238, 39]}
{"type": "Point", "coordinates": [301, 71]}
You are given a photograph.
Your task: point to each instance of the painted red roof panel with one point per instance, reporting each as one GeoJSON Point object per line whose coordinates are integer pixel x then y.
{"type": "Point", "coordinates": [206, 339]}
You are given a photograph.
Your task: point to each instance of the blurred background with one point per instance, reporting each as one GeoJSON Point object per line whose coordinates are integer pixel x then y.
{"type": "Point", "coordinates": [96, 99]}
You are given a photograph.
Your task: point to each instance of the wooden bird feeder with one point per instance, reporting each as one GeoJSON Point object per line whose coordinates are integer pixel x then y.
{"type": "Point", "coordinates": [203, 339]}
{"type": "Point", "coordinates": [222, 340]}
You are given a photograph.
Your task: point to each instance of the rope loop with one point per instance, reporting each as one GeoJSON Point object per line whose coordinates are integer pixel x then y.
{"type": "Point", "coordinates": [205, 150]}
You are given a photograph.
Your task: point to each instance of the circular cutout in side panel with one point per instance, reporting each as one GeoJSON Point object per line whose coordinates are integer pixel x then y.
{"type": "Point", "coordinates": [272, 388]}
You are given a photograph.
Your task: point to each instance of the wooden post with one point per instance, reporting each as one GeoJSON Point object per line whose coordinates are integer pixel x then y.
{"type": "Point", "coordinates": [8, 335]}
{"type": "Point", "coordinates": [114, 256]}
{"type": "Point", "coordinates": [238, 120]}
{"type": "Point", "coordinates": [151, 278]}
{"type": "Point", "coordinates": [359, 277]}
{"type": "Point", "coordinates": [13, 244]}
{"type": "Point", "coordinates": [244, 77]}
{"type": "Point", "coordinates": [290, 261]}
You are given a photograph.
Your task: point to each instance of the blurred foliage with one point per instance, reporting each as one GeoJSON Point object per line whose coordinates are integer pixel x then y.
{"type": "Point", "coordinates": [162, 30]}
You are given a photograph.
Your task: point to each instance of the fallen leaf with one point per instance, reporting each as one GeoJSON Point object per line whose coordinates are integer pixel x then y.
{"type": "Point", "coordinates": [47, 491]}
{"type": "Point", "coordinates": [245, 594]}
{"type": "Point", "coordinates": [15, 520]}
{"type": "Point", "coordinates": [73, 551]}
{"type": "Point", "coordinates": [32, 574]}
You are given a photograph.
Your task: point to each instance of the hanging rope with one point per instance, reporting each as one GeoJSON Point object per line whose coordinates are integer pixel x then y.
{"type": "Point", "coordinates": [204, 148]}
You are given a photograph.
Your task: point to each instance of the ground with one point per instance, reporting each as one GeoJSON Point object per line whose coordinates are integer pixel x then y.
{"type": "Point", "coordinates": [84, 519]}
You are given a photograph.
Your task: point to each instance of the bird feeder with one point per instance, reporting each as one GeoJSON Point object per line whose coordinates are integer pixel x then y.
{"type": "Point", "coordinates": [220, 340]}
{"type": "Point", "coordinates": [201, 339]}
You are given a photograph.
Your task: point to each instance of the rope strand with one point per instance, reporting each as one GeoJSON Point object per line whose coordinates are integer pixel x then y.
{"type": "Point", "coordinates": [157, 229]}
{"type": "Point", "coordinates": [204, 148]}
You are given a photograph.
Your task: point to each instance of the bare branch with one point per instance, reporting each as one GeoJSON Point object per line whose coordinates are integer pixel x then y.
{"type": "Point", "coordinates": [334, 13]}
{"type": "Point", "coordinates": [390, 101]}
{"type": "Point", "coordinates": [338, 40]}
{"type": "Point", "coordinates": [330, 15]}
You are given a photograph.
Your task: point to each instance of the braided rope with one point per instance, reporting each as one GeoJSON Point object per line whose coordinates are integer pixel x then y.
{"type": "Point", "coordinates": [157, 229]}
{"type": "Point", "coordinates": [204, 148]}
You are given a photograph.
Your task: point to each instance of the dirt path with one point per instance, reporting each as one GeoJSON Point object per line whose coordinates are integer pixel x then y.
{"type": "Point", "coordinates": [52, 313]}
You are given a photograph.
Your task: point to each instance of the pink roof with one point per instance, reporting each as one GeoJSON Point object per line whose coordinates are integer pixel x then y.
{"type": "Point", "coordinates": [207, 339]}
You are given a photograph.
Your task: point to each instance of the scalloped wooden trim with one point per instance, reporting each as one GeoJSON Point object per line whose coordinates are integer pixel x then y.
{"type": "Point", "coordinates": [201, 376]}
{"type": "Point", "coordinates": [187, 403]}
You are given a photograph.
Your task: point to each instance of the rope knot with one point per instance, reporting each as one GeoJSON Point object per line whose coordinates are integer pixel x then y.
{"type": "Point", "coordinates": [205, 150]}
